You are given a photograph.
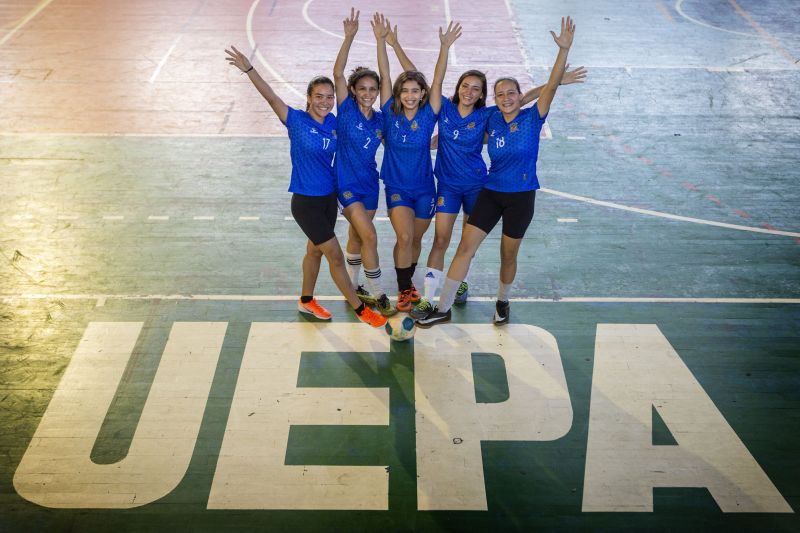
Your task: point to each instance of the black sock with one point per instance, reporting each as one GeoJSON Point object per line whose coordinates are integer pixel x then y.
{"type": "Point", "coordinates": [360, 309]}
{"type": "Point", "coordinates": [403, 278]}
{"type": "Point", "coordinates": [306, 299]}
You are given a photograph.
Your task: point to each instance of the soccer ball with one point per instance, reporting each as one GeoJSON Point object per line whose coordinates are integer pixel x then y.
{"type": "Point", "coordinates": [400, 327]}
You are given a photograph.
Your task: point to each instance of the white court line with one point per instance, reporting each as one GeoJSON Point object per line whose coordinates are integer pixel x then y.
{"type": "Point", "coordinates": [526, 61]}
{"type": "Point", "coordinates": [164, 59]}
{"type": "Point", "coordinates": [668, 215]}
{"type": "Point", "coordinates": [291, 298]}
{"type": "Point", "coordinates": [678, 5]}
{"type": "Point", "coordinates": [576, 138]}
{"type": "Point", "coordinates": [341, 37]}
{"type": "Point", "coordinates": [448, 17]}
{"type": "Point", "coordinates": [251, 39]}
{"type": "Point", "coordinates": [27, 18]}
{"type": "Point", "coordinates": [203, 217]}
{"type": "Point", "coordinates": [569, 220]}
{"type": "Point", "coordinates": [249, 218]}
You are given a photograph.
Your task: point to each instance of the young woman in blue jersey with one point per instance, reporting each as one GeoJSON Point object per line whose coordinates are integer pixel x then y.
{"type": "Point", "coordinates": [356, 170]}
{"type": "Point", "coordinates": [410, 109]}
{"type": "Point", "coordinates": [510, 189]}
{"type": "Point", "coordinates": [312, 136]}
{"type": "Point", "coordinates": [460, 170]}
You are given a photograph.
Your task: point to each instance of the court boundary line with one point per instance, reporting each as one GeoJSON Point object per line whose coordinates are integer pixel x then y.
{"type": "Point", "coordinates": [680, 11]}
{"type": "Point", "coordinates": [27, 18]}
{"type": "Point", "coordinates": [319, 28]}
{"type": "Point", "coordinates": [670, 216]}
{"type": "Point", "coordinates": [290, 298]}
{"type": "Point", "coordinates": [252, 41]}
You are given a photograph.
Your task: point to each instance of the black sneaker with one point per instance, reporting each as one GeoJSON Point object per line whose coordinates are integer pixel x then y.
{"type": "Point", "coordinates": [434, 317]}
{"type": "Point", "coordinates": [501, 313]}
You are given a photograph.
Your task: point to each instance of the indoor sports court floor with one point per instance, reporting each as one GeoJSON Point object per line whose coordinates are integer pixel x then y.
{"type": "Point", "coordinates": [156, 376]}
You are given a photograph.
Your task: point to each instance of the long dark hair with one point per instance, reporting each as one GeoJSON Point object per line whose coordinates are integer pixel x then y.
{"type": "Point", "coordinates": [409, 75]}
{"type": "Point", "coordinates": [358, 74]}
{"type": "Point", "coordinates": [317, 80]}
{"type": "Point", "coordinates": [481, 76]}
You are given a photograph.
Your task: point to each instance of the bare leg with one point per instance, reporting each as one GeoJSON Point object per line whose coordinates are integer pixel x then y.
{"type": "Point", "coordinates": [471, 240]}
{"type": "Point", "coordinates": [333, 253]}
{"type": "Point", "coordinates": [362, 231]}
{"type": "Point", "coordinates": [509, 249]}
{"type": "Point", "coordinates": [443, 232]}
{"type": "Point", "coordinates": [402, 219]}
{"type": "Point", "coordinates": [311, 263]}
{"type": "Point", "coordinates": [421, 225]}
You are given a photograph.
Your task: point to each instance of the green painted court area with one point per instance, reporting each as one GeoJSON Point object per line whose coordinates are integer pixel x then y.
{"type": "Point", "coordinates": [155, 374]}
{"type": "Point", "coordinates": [742, 356]}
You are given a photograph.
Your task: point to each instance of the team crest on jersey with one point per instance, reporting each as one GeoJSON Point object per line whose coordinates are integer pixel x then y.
{"type": "Point", "coordinates": [379, 134]}
{"type": "Point", "coordinates": [440, 201]}
{"type": "Point", "coordinates": [347, 195]}
{"type": "Point", "coordinates": [414, 126]}
{"type": "Point", "coordinates": [333, 132]}
{"type": "Point", "coordinates": [396, 198]}
{"type": "Point", "coordinates": [471, 126]}
{"type": "Point", "coordinates": [514, 127]}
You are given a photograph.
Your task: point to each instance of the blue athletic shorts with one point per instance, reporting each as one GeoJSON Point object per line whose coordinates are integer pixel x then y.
{"type": "Point", "coordinates": [348, 196]}
{"type": "Point", "coordinates": [451, 199]}
{"type": "Point", "coordinates": [422, 202]}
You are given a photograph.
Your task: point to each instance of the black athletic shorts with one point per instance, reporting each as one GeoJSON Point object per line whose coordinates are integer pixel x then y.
{"type": "Point", "coordinates": [515, 208]}
{"type": "Point", "coordinates": [316, 216]}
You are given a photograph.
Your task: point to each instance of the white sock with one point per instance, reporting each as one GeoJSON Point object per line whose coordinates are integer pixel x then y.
{"type": "Point", "coordinates": [448, 295]}
{"type": "Point", "coordinates": [502, 291]}
{"type": "Point", "coordinates": [353, 267]}
{"type": "Point", "coordinates": [417, 279]}
{"type": "Point", "coordinates": [374, 282]}
{"type": "Point", "coordinates": [432, 279]}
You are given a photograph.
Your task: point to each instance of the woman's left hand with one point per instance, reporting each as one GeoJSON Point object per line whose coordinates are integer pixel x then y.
{"type": "Point", "coordinates": [564, 39]}
{"type": "Point", "coordinates": [451, 35]}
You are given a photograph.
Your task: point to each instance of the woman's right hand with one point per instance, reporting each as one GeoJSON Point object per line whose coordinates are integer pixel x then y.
{"type": "Point", "coordinates": [380, 26]}
{"type": "Point", "coordinates": [238, 59]}
{"type": "Point", "coordinates": [351, 23]}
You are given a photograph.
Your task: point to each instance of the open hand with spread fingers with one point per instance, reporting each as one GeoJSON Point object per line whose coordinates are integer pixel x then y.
{"type": "Point", "coordinates": [451, 35]}
{"type": "Point", "coordinates": [577, 75]}
{"type": "Point", "coordinates": [564, 39]}
{"type": "Point", "coordinates": [380, 26]}
{"type": "Point", "coordinates": [237, 59]}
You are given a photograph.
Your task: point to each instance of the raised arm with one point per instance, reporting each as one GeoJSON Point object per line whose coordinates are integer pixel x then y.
{"type": "Point", "coordinates": [380, 27]}
{"type": "Point", "coordinates": [570, 76]}
{"type": "Point", "coordinates": [447, 39]}
{"type": "Point", "coordinates": [339, 80]}
{"type": "Point", "coordinates": [391, 40]}
{"type": "Point", "coordinates": [564, 42]}
{"type": "Point", "coordinates": [238, 60]}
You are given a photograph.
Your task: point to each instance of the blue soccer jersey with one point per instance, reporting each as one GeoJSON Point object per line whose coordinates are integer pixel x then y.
{"type": "Point", "coordinates": [459, 163]}
{"type": "Point", "coordinates": [359, 138]}
{"type": "Point", "coordinates": [407, 157]}
{"type": "Point", "coordinates": [312, 148]}
{"type": "Point", "coordinates": [513, 150]}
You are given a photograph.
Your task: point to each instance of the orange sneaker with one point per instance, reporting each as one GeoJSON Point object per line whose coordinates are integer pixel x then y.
{"type": "Point", "coordinates": [405, 301]}
{"type": "Point", "coordinates": [313, 308]}
{"type": "Point", "coordinates": [415, 295]}
{"type": "Point", "coordinates": [368, 316]}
